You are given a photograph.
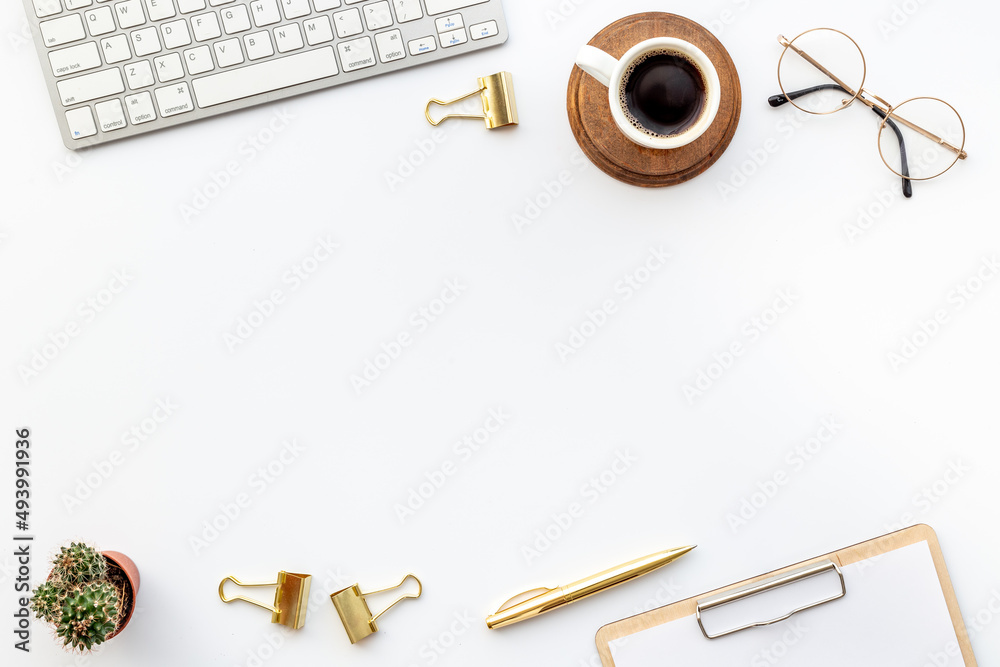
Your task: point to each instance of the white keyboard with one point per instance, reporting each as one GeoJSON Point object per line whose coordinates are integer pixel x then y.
{"type": "Point", "coordinates": [117, 68]}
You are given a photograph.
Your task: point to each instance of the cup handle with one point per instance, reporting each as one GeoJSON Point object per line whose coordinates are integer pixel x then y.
{"type": "Point", "coordinates": [596, 63]}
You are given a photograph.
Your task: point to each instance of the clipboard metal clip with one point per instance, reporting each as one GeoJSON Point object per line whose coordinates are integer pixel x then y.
{"type": "Point", "coordinates": [764, 586]}
{"type": "Point", "coordinates": [291, 597]}
{"type": "Point", "coordinates": [499, 106]}
{"type": "Point", "coordinates": [355, 614]}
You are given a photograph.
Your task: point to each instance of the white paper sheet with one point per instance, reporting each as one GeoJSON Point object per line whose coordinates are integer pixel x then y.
{"type": "Point", "coordinates": [894, 613]}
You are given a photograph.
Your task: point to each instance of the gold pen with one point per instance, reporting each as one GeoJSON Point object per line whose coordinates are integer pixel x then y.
{"type": "Point", "coordinates": [547, 599]}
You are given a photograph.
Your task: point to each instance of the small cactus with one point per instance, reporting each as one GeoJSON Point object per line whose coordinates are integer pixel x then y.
{"type": "Point", "coordinates": [78, 563]}
{"type": "Point", "coordinates": [78, 598]}
{"type": "Point", "coordinates": [47, 602]}
{"type": "Point", "coordinates": [89, 614]}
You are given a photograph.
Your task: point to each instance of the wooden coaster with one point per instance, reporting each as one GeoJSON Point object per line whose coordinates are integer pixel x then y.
{"type": "Point", "coordinates": [601, 140]}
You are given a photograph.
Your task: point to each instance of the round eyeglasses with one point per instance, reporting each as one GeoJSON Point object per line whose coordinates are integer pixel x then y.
{"type": "Point", "coordinates": [823, 71]}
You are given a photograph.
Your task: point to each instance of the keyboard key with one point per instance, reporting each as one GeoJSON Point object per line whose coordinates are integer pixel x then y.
{"type": "Point", "coordinates": [145, 41]}
{"type": "Point", "coordinates": [390, 46]}
{"type": "Point", "coordinates": [115, 49]}
{"type": "Point", "coordinates": [188, 6]}
{"type": "Point", "coordinates": [175, 34]}
{"type": "Point", "coordinates": [199, 60]}
{"type": "Point", "coordinates": [168, 67]}
{"type": "Point", "coordinates": [258, 45]}
{"type": "Point", "coordinates": [62, 30]}
{"type": "Point", "coordinates": [228, 52]}
{"type": "Point", "coordinates": [100, 21]}
{"type": "Point", "coordinates": [265, 77]}
{"type": "Point", "coordinates": [294, 9]}
{"type": "Point", "coordinates": [451, 22]}
{"type": "Point", "coordinates": [45, 8]}
{"type": "Point", "coordinates": [91, 86]}
{"type": "Point", "coordinates": [110, 115]}
{"type": "Point", "coordinates": [78, 4]}
{"type": "Point", "coordinates": [75, 59]}
{"type": "Point", "coordinates": [356, 54]}
{"type": "Point", "coordinates": [205, 26]}
{"type": "Point", "coordinates": [216, 3]}
{"type": "Point", "coordinates": [129, 14]}
{"type": "Point", "coordinates": [265, 12]}
{"type": "Point", "coordinates": [157, 10]}
{"type": "Point", "coordinates": [81, 123]}
{"type": "Point", "coordinates": [407, 10]}
{"type": "Point", "coordinates": [453, 38]}
{"type": "Point", "coordinates": [348, 23]}
{"type": "Point", "coordinates": [484, 30]}
{"type": "Point", "coordinates": [422, 45]}
{"type": "Point", "coordinates": [442, 6]}
{"type": "Point", "coordinates": [324, 5]}
{"type": "Point", "coordinates": [174, 100]}
{"type": "Point", "coordinates": [288, 38]}
{"type": "Point", "coordinates": [318, 30]}
{"type": "Point", "coordinates": [378, 15]}
{"type": "Point", "coordinates": [140, 108]}
{"type": "Point", "coordinates": [139, 75]}
{"type": "Point", "coordinates": [235, 19]}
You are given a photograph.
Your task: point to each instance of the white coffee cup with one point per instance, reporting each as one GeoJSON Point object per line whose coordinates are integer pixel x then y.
{"type": "Point", "coordinates": [611, 73]}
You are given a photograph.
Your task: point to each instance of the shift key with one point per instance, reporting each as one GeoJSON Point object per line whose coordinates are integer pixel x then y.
{"type": "Point", "coordinates": [91, 86]}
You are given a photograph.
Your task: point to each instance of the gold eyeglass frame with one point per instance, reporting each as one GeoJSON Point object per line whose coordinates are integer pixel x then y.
{"type": "Point", "coordinates": [887, 110]}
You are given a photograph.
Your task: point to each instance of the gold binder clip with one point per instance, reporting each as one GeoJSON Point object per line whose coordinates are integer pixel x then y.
{"type": "Point", "coordinates": [290, 598]}
{"type": "Point", "coordinates": [499, 107]}
{"type": "Point", "coordinates": [354, 612]}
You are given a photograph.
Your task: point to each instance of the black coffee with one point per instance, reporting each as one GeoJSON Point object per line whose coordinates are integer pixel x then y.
{"type": "Point", "coordinates": [664, 93]}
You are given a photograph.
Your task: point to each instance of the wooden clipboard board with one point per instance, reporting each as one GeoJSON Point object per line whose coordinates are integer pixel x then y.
{"type": "Point", "coordinates": [623, 629]}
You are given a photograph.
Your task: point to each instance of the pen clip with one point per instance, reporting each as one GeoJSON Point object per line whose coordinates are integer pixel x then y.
{"type": "Point", "coordinates": [524, 597]}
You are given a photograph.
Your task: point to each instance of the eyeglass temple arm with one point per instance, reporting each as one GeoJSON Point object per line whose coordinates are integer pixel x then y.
{"type": "Point", "coordinates": [905, 170]}
{"type": "Point", "coordinates": [778, 100]}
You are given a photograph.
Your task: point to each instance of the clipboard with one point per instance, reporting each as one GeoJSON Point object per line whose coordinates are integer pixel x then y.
{"type": "Point", "coordinates": [886, 601]}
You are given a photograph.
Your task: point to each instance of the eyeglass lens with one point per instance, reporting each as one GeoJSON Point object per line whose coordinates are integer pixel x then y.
{"type": "Point", "coordinates": [917, 127]}
{"type": "Point", "coordinates": [832, 51]}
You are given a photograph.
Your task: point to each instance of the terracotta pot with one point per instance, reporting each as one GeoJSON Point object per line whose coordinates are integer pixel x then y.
{"type": "Point", "coordinates": [126, 565]}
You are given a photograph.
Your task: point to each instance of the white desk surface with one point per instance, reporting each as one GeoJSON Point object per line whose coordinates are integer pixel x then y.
{"type": "Point", "coordinates": [606, 432]}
